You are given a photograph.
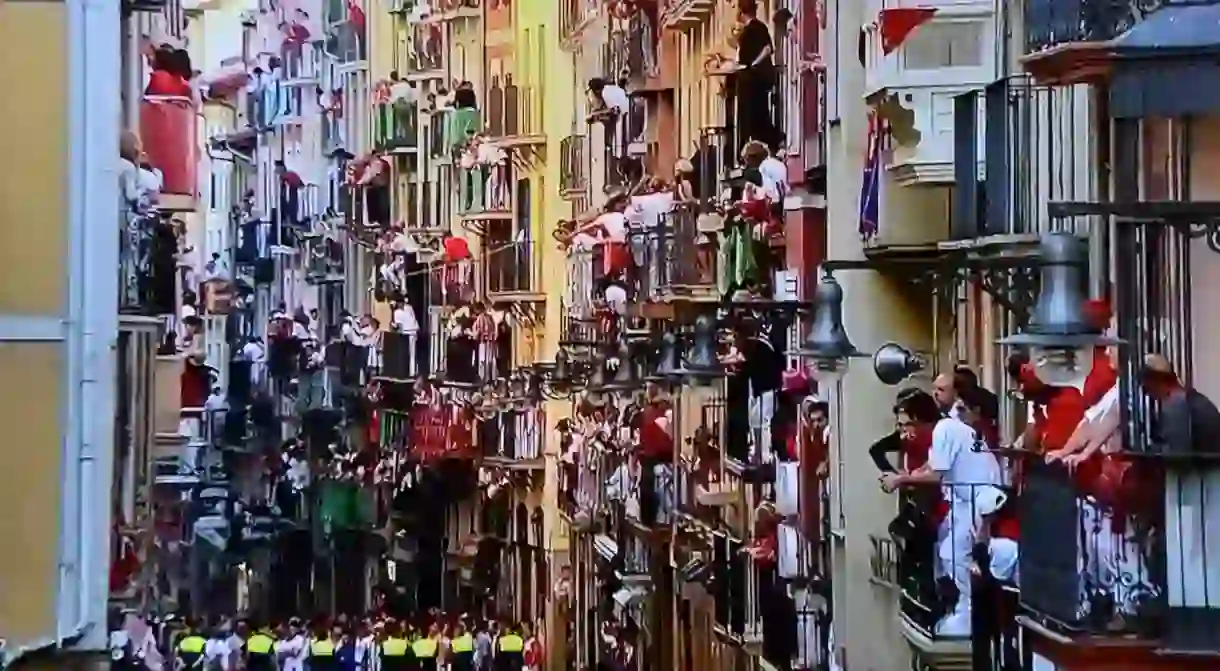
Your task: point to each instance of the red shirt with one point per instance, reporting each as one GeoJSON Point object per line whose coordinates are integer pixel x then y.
{"type": "Point", "coordinates": [1064, 412]}
{"type": "Point", "coordinates": [162, 83]}
{"type": "Point", "coordinates": [655, 441]}
{"type": "Point", "coordinates": [456, 249]}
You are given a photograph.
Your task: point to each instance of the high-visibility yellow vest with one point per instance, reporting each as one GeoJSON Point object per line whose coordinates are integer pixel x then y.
{"type": "Point", "coordinates": [394, 647]}
{"type": "Point", "coordinates": [260, 644]}
{"type": "Point", "coordinates": [511, 643]}
{"type": "Point", "coordinates": [322, 648]}
{"type": "Point", "coordinates": [192, 645]}
{"type": "Point", "coordinates": [463, 643]}
{"type": "Point", "coordinates": [424, 648]}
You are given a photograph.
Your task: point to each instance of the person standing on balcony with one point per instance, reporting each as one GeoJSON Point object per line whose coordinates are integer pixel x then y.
{"type": "Point", "coordinates": [755, 78]}
{"type": "Point", "coordinates": [967, 475]}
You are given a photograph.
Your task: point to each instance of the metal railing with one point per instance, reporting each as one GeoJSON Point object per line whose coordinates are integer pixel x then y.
{"type": "Point", "coordinates": [395, 125]}
{"type": "Point", "coordinates": [400, 355]}
{"type": "Point", "coordinates": [512, 110]}
{"type": "Point", "coordinates": [1036, 148]}
{"type": "Point", "coordinates": [673, 256]}
{"type": "Point", "coordinates": [147, 267]}
{"type": "Point", "coordinates": [511, 267]}
{"type": "Point", "coordinates": [512, 434]}
{"type": "Point", "coordinates": [573, 166]}
{"type": "Point", "coordinates": [1050, 23]}
{"type": "Point", "coordinates": [643, 37]}
{"type": "Point", "coordinates": [939, 528]}
{"type": "Point", "coordinates": [485, 189]}
{"type": "Point", "coordinates": [428, 45]}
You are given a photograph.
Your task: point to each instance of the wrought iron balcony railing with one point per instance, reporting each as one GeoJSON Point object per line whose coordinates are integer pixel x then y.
{"type": "Point", "coordinates": [395, 125]}
{"type": "Point", "coordinates": [573, 169]}
{"type": "Point", "coordinates": [674, 257]}
{"type": "Point", "coordinates": [428, 47]}
{"type": "Point", "coordinates": [485, 190]}
{"type": "Point", "coordinates": [935, 607]}
{"type": "Point", "coordinates": [643, 38]}
{"type": "Point", "coordinates": [1051, 23]}
{"type": "Point", "coordinates": [147, 264]}
{"type": "Point", "coordinates": [511, 267]}
{"type": "Point", "coordinates": [1034, 151]}
{"type": "Point", "coordinates": [512, 435]}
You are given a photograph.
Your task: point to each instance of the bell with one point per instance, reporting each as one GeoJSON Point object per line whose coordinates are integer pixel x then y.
{"type": "Point", "coordinates": [1059, 319]}
{"type": "Point", "coordinates": [625, 378]}
{"type": "Point", "coordinates": [669, 359]}
{"type": "Point", "coordinates": [702, 364]}
{"type": "Point", "coordinates": [827, 340]}
{"type": "Point", "coordinates": [597, 380]}
{"type": "Point", "coordinates": [894, 363]}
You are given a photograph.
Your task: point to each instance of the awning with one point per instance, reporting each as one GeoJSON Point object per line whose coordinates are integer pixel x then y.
{"type": "Point", "coordinates": [1168, 64]}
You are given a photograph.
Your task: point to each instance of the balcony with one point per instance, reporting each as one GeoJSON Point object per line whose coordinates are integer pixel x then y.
{"type": "Point", "coordinates": [484, 191]}
{"type": "Point", "coordinates": [574, 15]}
{"type": "Point", "coordinates": [395, 126]}
{"type": "Point", "coordinates": [1035, 147]}
{"type": "Point", "coordinates": [1069, 40]}
{"type": "Point", "coordinates": [400, 356]}
{"type": "Point", "coordinates": [511, 268]}
{"type": "Point", "coordinates": [573, 168]}
{"type": "Point", "coordinates": [440, 431]}
{"type": "Point", "coordinates": [467, 348]}
{"type": "Point", "coordinates": [678, 259]}
{"type": "Point", "coordinates": [170, 139]}
{"type": "Point", "coordinates": [643, 52]}
{"type": "Point", "coordinates": [514, 113]}
{"type": "Point", "coordinates": [687, 14]}
{"type": "Point", "coordinates": [427, 53]}
{"type": "Point", "coordinates": [325, 263]}
{"type": "Point", "coordinates": [936, 598]}
{"type": "Point", "coordinates": [148, 269]}
{"type": "Point", "coordinates": [453, 129]}
{"type": "Point", "coordinates": [512, 437]}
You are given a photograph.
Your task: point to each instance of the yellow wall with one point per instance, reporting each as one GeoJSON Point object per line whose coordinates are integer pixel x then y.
{"type": "Point", "coordinates": [33, 282]}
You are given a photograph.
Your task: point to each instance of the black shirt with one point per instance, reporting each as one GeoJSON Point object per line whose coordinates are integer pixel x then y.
{"type": "Point", "coordinates": [754, 39]}
{"type": "Point", "coordinates": [1189, 423]}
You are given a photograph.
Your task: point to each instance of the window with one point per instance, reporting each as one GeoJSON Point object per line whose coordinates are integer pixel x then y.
{"type": "Point", "coordinates": [944, 44]}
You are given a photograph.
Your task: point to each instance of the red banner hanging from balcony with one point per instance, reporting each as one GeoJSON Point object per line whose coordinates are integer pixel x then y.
{"type": "Point", "coordinates": [897, 24]}
{"type": "Point", "coordinates": [439, 431]}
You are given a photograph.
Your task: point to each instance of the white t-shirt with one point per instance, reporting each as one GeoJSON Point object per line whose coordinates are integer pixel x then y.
{"type": "Point", "coordinates": [775, 177]}
{"type": "Point", "coordinates": [954, 457]}
{"type": "Point", "coordinates": [616, 98]}
{"type": "Point", "coordinates": [292, 653]}
{"type": "Point", "coordinates": [646, 210]}
{"type": "Point", "coordinates": [615, 226]}
{"type": "Point", "coordinates": [1103, 406]}
{"type": "Point", "coordinates": [216, 653]}
{"type": "Point", "coordinates": [405, 320]}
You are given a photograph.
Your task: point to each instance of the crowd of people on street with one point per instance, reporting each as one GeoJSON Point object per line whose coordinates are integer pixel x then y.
{"type": "Point", "coordinates": [434, 642]}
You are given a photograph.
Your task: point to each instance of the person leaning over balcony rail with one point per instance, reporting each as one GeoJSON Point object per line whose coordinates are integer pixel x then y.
{"type": "Point", "coordinates": [967, 475]}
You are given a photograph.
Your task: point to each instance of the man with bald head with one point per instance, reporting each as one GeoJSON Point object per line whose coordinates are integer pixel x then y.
{"type": "Point", "coordinates": [945, 394]}
{"type": "Point", "coordinates": [1189, 422]}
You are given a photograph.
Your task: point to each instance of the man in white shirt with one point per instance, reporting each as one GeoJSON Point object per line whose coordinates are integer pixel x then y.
{"type": "Point", "coordinates": [216, 652]}
{"type": "Point", "coordinates": [293, 650]}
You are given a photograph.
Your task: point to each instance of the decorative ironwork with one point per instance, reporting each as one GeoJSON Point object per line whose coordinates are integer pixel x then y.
{"type": "Point", "coordinates": [1050, 23]}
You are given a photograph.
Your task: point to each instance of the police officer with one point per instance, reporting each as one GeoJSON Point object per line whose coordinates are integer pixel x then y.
{"type": "Point", "coordinates": [260, 651]}
{"type": "Point", "coordinates": [393, 650]}
{"type": "Point", "coordinates": [510, 650]}
{"type": "Point", "coordinates": [190, 648]}
{"type": "Point", "coordinates": [462, 647]}
{"type": "Point", "coordinates": [426, 648]}
{"type": "Point", "coordinates": [322, 651]}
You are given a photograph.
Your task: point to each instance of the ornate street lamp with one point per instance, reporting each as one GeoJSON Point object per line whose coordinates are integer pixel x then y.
{"type": "Point", "coordinates": [626, 379]}
{"type": "Point", "coordinates": [702, 366]}
{"type": "Point", "coordinates": [555, 381]}
{"type": "Point", "coordinates": [893, 363]}
{"type": "Point", "coordinates": [1059, 335]}
{"type": "Point", "coordinates": [827, 344]}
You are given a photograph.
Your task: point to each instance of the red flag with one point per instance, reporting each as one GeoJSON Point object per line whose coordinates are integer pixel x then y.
{"type": "Point", "coordinates": [897, 24]}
